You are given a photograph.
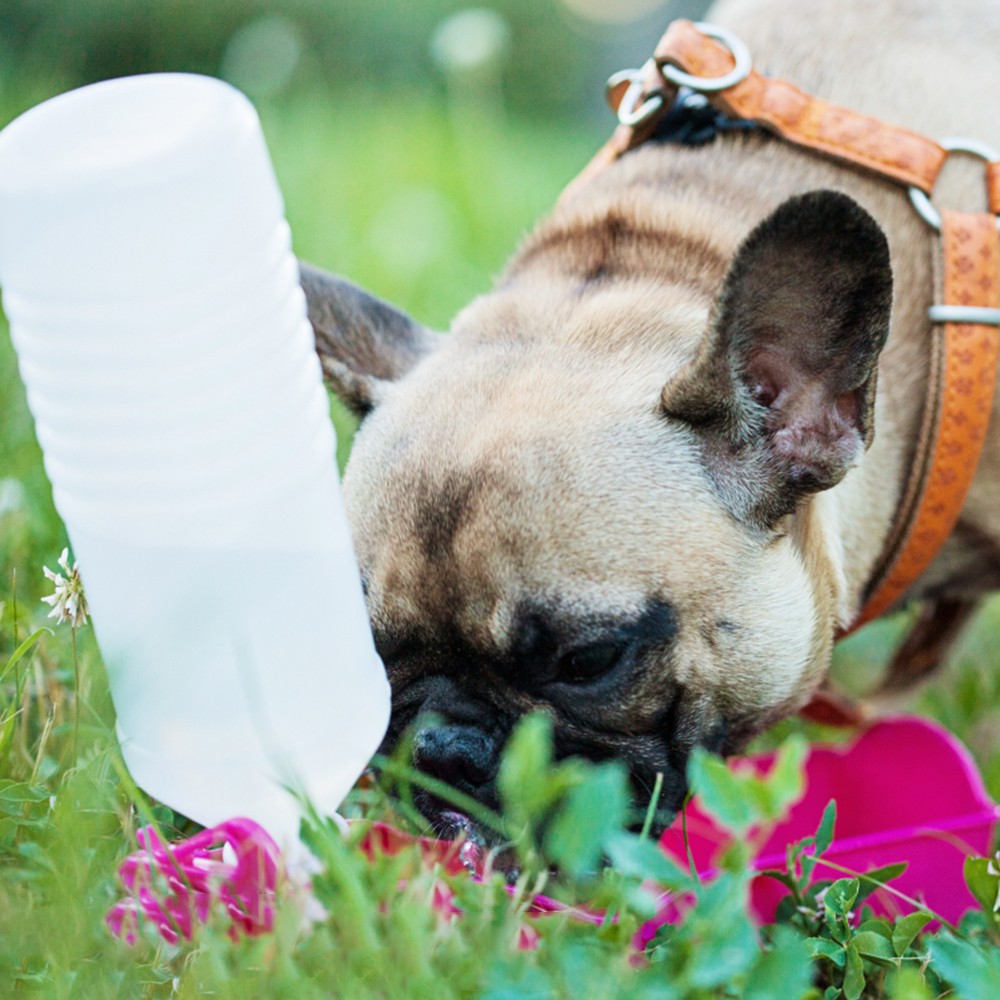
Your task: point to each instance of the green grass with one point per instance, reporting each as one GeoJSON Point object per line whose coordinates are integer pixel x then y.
{"type": "Point", "coordinates": [422, 207]}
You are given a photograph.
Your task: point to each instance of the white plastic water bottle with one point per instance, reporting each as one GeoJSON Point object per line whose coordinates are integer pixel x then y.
{"type": "Point", "coordinates": [162, 337]}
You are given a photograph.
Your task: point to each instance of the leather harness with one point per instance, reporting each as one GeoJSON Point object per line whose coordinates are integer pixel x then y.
{"type": "Point", "coordinates": [701, 81]}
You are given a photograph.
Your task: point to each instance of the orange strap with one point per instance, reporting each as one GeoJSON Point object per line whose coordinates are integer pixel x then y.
{"type": "Point", "coordinates": [890, 151]}
{"type": "Point", "coordinates": [898, 153]}
{"type": "Point", "coordinates": [993, 186]}
{"type": "Point", "coordinates": [969, 354]}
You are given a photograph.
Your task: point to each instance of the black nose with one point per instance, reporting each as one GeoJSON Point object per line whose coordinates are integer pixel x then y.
{"type": "Point", "coordinates": [462, 756]}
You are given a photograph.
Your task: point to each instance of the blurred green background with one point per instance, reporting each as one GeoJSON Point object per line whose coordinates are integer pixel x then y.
{"type": "Point", "coordinates": [415, 141]}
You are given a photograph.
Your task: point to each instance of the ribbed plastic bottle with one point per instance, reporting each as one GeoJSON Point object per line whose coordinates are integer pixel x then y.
{"type": "Point", "coordinates": [161, 333]}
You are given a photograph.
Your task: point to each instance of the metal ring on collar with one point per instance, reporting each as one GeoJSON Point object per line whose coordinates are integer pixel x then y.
{"type": "Point", "coordinates": [710, 84]}
{"type": "Point", "coordinates": [955, 144]}
{"type": "Point", "coordinates": [630, 111]}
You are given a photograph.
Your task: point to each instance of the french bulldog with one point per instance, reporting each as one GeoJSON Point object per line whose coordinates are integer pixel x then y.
{"type": "Point", "coordinates": [642, 483]}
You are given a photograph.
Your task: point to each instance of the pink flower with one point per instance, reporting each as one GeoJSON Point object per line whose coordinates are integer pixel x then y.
{"type": "Point", "coordinates": [528, 938]}
{"type": "Point", "coordinates": [175, 886]}
{"type": "Point", "coordinates": [443, 902]}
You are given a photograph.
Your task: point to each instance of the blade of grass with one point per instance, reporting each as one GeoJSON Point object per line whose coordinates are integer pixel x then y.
{"type": "Point", "coordinates": [20, 653]}
{"type": "Point", "coordinates": [687, 842]}
{"type": "Point", "coordinates": [654, 801]}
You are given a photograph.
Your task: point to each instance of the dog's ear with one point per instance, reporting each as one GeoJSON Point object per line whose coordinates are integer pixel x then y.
{"type": "Point", "coordinates": [783, 388]}
{"type": "Point", "coordinates": [363, 343]}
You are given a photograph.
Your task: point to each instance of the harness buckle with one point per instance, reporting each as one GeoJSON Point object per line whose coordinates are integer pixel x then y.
{"type": "Point", "coordinates": [710, 84]}
{"type": "Point", "coordinates": [640, 101]}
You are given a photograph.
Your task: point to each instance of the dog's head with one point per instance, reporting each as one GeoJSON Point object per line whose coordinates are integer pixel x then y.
{"type": "Point", "coordinates": [598, 495]}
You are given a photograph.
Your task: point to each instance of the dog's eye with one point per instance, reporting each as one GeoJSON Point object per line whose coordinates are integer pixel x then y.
{"type": "Point", "coordinates": [589, 662]}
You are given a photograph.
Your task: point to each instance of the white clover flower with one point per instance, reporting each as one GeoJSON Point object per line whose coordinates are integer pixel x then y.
{"type": "Point", "coordinates": [992, 869]}
{"type": "Point", "coordinates": [69, 603]}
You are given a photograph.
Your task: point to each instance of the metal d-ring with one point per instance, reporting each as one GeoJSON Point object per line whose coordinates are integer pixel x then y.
{"type": "Point", "coordinates": [630, 111]}
{"type": "Point", "coordinates": [636, 106]}
{"type": "Point", "coordinates": [710, 84]}
{"type": "Point", "coordinates": [955, 144]}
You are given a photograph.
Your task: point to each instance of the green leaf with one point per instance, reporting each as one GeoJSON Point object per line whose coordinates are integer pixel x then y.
{"type": "Point", "coordinates": [854, 974]}
{"type": "Point", "coordinates": [908, 984]}
{"type": "Point", "coordinates": [873, 880]}
{"type": "Point", "coordinates": [788, 911]}
{"type": "Point", "coordinates": [644, 902]}
{"type": "Point", "coordinates": [592, 812]}
{"type": "Point", "coordinates": [841, 895]}
{"type": "Point", "coordinates": [872, 945]}
{"type": "Point", "coordinates": [779, 876]}
{"type": "Point", "coordinates": [8, 727]}
{"type": "Point", "coordinates": [23, 649]}
{"type": "Point", "coordinates": [824, 835]}
{"type": "Point", "coordinates": [786, 780]}
{"type": "Point", "coordinates": [631, 855]}
{"type": "Point", "coordinates": [722, 793]}
{"type": "Point", "coordinates": [741, 799]}
{"type": "Point", "coordinates": [877, 926]}
{"type": "Point", "coordinates": [824, 948]}
{"type": "Point", "coordinates": [726, 945]}
{"type": "Point", "coordinates": [8, 832]}
{"type": "Point", "coordinates": [819, 844]}
{"type": "Point", "coordinates": [15, 795]}
{"type": "Point", "coordinates": [782, 971]}
{"type": "Point", "coordinates": [983, 883]}
{"type": "Point", "coordinates": [965, 967]}
{"type": "Point", "coordinates": [526, 763]}
{"type": "Point", "coordinates": [976, 923]}
{"type": "Point", "coordinates": [906, 930]}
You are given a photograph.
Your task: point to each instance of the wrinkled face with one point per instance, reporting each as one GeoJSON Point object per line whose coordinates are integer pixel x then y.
{"type": "Point", "coordinates": [554, 542]}
{"type": "Point", "coordinates": [573, 505]}
{"type": "Point", "coordinates": [593, 574]}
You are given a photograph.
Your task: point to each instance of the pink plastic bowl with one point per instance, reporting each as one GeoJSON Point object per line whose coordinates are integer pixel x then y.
{"type": "Point", "coordinates": [906, 790]}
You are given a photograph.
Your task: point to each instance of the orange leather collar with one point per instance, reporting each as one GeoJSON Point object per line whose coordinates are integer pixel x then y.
{"type": "Point", "coordinates": [966, 331]}
{"type": "Point", "coordinates": [957, 411]}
